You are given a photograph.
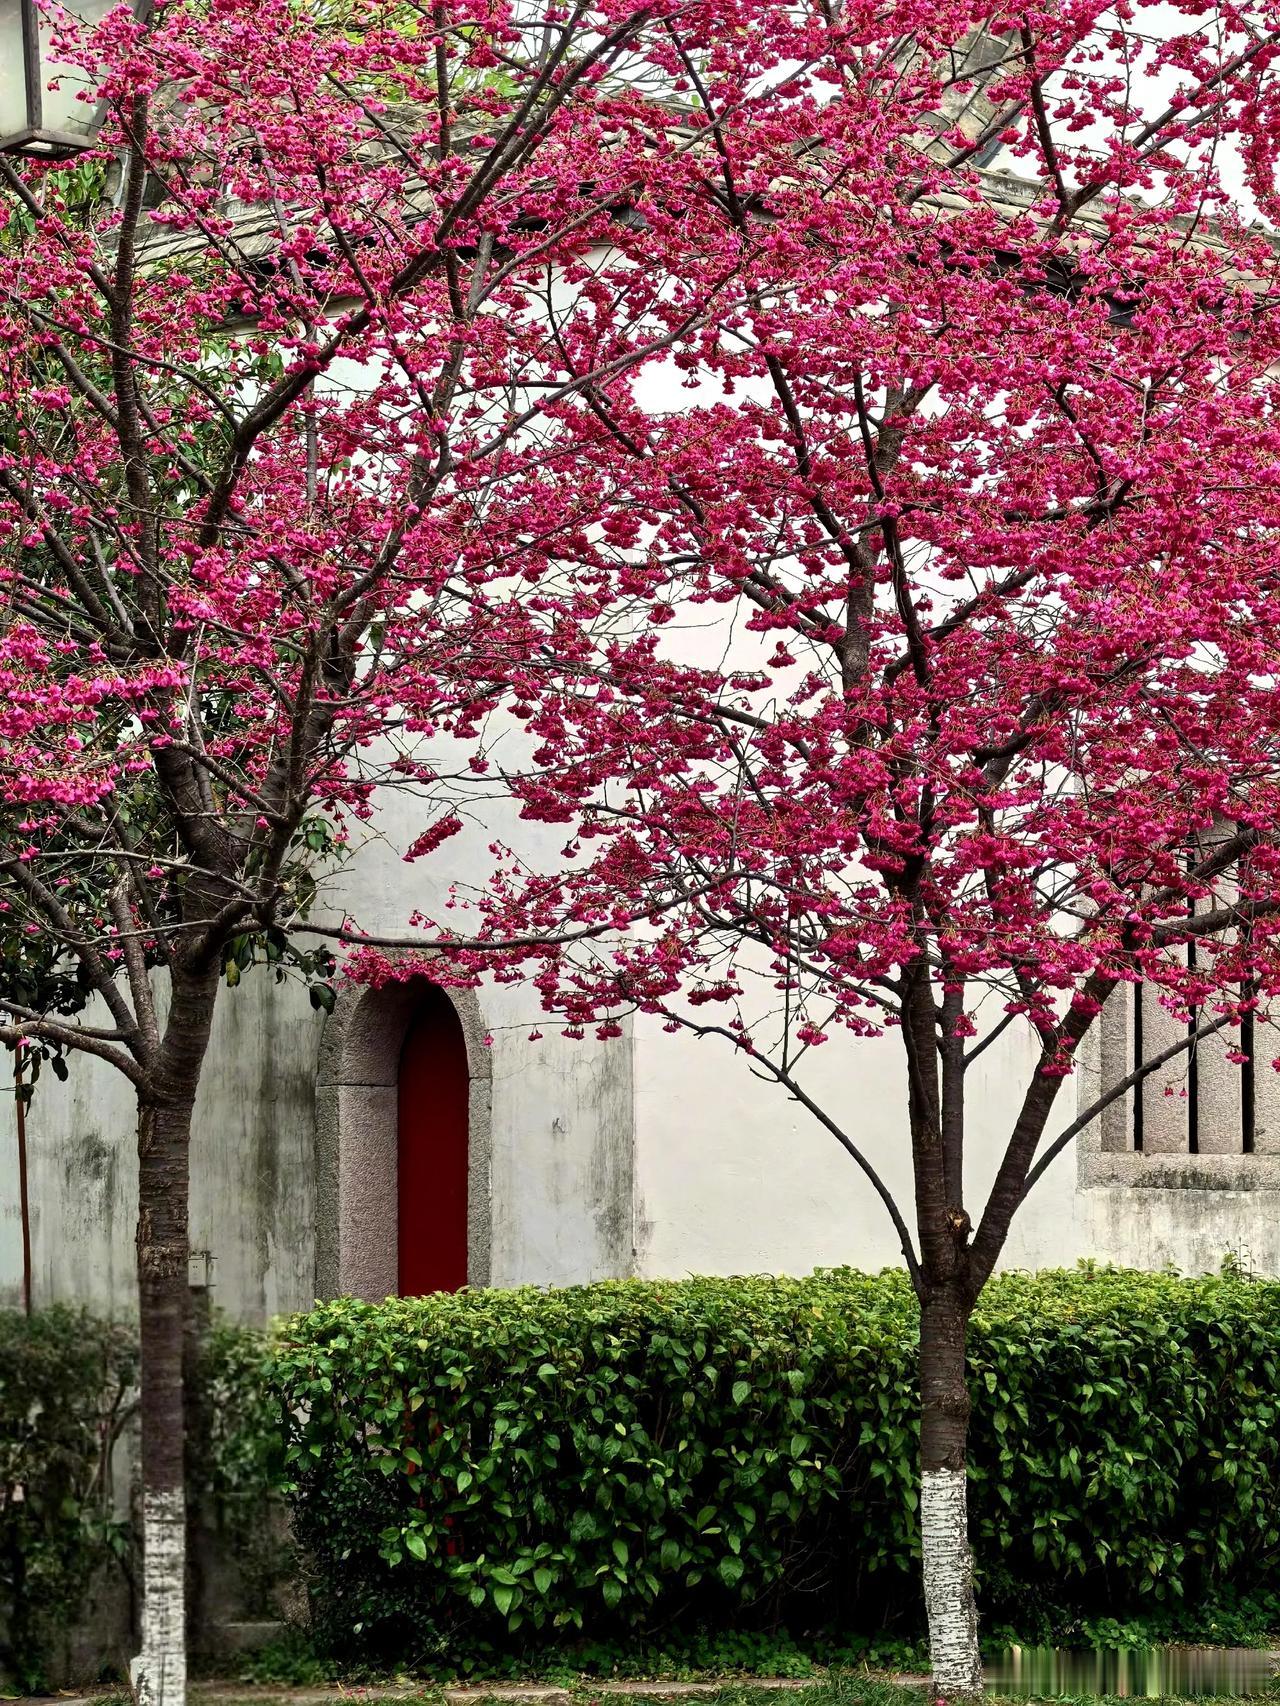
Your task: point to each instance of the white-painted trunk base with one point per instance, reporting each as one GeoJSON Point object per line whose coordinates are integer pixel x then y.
{"type": "Point", "coordinates": [948, 1583]}
{"type": "Point", "coordinates": [159, 1673]}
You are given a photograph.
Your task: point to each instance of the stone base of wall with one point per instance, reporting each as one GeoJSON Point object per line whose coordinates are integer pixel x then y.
{"type": "Point", "coordinates": [99, 1645]}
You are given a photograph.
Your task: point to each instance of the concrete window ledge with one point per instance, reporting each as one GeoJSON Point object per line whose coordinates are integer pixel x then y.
{"type": "Point", "coordinates": [1099, 1169]}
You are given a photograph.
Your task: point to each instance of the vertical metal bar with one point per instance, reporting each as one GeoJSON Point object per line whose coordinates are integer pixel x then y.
{"type": "Point", "coordinates": [24, 1201]}
{"type": "Point", "coordinates": [31, 66]}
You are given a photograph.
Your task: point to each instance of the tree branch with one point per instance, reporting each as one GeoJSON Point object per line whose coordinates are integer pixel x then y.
{"type": "Point", "coordinates": [784, 1078]}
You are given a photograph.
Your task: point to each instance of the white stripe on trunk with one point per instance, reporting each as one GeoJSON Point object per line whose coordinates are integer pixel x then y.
{"type": "Point", "coordinates": [948, 1584]}
{"type": "Point", "coordinates": [159, 1673]}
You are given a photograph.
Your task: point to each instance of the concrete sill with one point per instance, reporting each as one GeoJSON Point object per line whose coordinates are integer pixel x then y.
{"type": "Point", "coordinates": [1099, 1171]}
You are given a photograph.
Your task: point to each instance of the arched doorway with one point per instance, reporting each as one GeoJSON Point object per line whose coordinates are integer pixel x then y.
{"type": "Point", "coordinates": [432, 1150]}
{"type": "Point", "coordinates": [402, 1142]}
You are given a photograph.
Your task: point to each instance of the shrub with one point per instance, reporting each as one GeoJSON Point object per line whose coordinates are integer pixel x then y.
{"type": "Point", "coordinates": [1125, 1448]}
{"type": "Point", "coordinates": [565, 1458]}
{"type": "Point", "coordinates": [616, 1456]}
{"type": "Point", "coordinates": [234, 1463]}
{"type": "Point", "coordinates": [66, 1389]}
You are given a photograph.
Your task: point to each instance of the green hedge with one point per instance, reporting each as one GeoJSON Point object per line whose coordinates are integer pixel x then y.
{"type": "Point", "coordinates": [625, 1455]}
{"type": "Point", "coordinates": [624, 1460]}
{"type": "Point", "coordinates": [67, 1382]}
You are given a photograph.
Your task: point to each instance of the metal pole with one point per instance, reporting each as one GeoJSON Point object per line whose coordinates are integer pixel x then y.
{"type": "Point", "coordinates": [24, 1202]}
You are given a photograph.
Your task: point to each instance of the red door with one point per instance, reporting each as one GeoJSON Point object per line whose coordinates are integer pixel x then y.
{"type": "Point", "coordinates": [434, 1085]}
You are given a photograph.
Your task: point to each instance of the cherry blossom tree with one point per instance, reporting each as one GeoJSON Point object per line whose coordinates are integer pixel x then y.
{"type": "Point", "coordinates": [878, 562]}
{"type": "Point", "coordinates": [916, 676]}
{"type": "Point", "coordinates": [270, 363]}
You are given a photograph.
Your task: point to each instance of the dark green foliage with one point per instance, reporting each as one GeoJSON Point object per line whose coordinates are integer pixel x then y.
{"type": "Point", "coordinates": [591, 1457]}
{"type": "Point", "coordinates": [686, 1655]}
{"type": "Point", "coordinates": [67, 1383]}
{"type": "Point", "coordinates": [614, 1457]}
{"type": "Point", "coordinates": [235, 1451]}
{"type": "Point", "coordinates": [609, 1470]}
{"type": "Point", "coordinates": [1126, 1439]}
{"type": "Point", "coordinates": [68, 1387]}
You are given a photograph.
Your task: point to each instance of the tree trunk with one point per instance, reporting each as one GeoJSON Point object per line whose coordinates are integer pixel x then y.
{"type": "Point", "coordinates": [159, 1673]}
{"type": "Point", "coordinates": [164, 1135]}
{"type": "Point", "coordinates": [944, 1523]}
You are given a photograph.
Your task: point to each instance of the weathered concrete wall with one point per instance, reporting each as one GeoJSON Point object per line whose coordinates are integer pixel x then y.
{"type": "Point", "coordinates": [1167, 1207]}
{"type": "Point", "coordinates": [654, 1153]}
{"type": "Point", "coordinates": [716, 1172]}
{"type": "Point", "coordinates": [252, 1195]}
{"type": "Point", "coordinates": [1188, 1229]}
{"type": "Point", "coordinates": [558, 1168]}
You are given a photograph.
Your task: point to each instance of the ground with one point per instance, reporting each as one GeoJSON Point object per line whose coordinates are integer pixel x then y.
{"type": "Point", "coordinates": [832, 1689]}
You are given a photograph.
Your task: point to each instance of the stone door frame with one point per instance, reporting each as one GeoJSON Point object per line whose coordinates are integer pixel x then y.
{"type": "Point", "coordinates": [356, 1139]}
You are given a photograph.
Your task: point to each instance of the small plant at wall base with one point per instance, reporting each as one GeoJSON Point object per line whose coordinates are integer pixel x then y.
{"type": "Point", "coordinates": [236, 1465]}
{"type": "Point", "coordinates": [68, 1397]}
{"type": "Point", "coordinates": [68, 1387]}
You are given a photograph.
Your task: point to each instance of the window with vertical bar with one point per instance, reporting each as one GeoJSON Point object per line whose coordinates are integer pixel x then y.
{"type": "Point", "coordinates": [1205, 1100]}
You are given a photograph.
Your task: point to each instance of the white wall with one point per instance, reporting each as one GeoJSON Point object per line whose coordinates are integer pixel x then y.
{"type": "Point", "coordinates": [734, 1176]}
{"type": "Point", "coordinates": [656, 1153]}
{"type": "Point", "coordinates": [562, 1140]}
{"type": "Point", "coordinates": [714, 1171]}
